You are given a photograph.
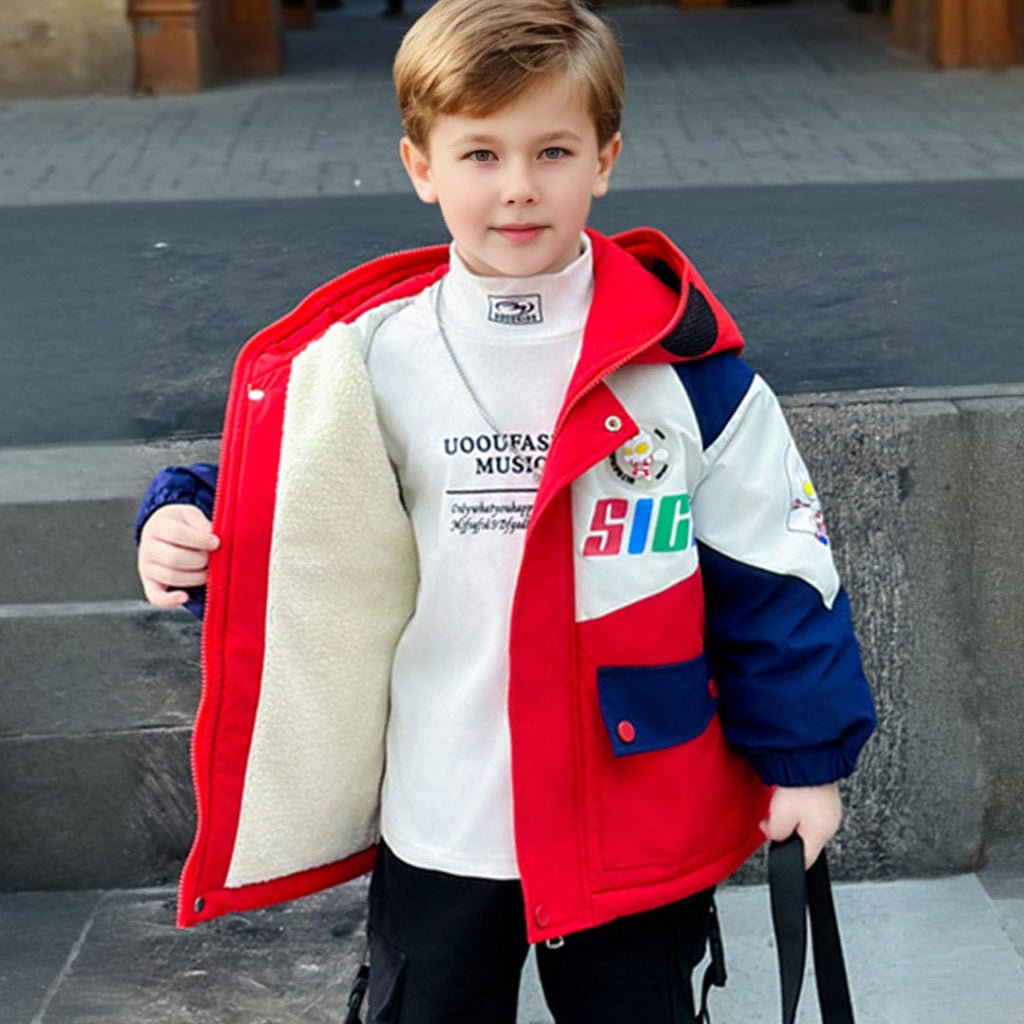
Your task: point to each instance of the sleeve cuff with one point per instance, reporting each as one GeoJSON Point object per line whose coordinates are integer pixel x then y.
{"type": "Point", "coordinates": [811, 767]}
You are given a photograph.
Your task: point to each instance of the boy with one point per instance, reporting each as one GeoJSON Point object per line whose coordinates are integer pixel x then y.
{"type": "Point", "coordinates": [595, 627]}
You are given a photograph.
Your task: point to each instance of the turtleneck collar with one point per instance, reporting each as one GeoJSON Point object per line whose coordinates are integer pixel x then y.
{"type": "Point", "coordinates": [505, 310]}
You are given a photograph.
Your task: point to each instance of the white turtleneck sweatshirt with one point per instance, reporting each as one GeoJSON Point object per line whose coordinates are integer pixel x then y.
{"type": "Point", "coordinates": [469, 487]}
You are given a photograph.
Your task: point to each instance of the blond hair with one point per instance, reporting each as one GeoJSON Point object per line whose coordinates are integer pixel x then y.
{"type": "Point", "coordinates": [474, 56]}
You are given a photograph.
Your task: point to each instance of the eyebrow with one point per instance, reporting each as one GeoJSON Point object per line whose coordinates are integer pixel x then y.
{"type": "Point", "coordinates": [474, 139]}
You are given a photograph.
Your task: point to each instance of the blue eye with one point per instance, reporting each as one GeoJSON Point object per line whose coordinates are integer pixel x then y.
{"type": "Point", "coordinates": [553, 153]}
{"type": "Point", "coordinates": [480, 156]}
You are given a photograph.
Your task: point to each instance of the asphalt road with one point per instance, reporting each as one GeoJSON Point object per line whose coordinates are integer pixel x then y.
{"type": "Point", "coordinates": [120, 322]}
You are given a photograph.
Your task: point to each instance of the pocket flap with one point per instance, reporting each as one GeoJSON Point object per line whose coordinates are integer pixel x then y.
{"type": "Point", "coordinates": [651, 707]}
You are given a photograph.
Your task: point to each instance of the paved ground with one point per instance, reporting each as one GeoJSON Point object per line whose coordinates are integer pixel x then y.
{"type": "Point", "coordinates": [779, 94]}
{"type": "Point", "coordinates": [945, 951]}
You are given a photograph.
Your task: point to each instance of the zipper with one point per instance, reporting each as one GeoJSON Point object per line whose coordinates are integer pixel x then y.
{"type": "Point", "coordinates": [198, 901]}
{"type": "Point", "coordinates": [600, 376]}
{"type": "Point", "coordinates": [557, 942]}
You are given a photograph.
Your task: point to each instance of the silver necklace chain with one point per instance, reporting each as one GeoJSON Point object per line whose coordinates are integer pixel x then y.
{"type": "Point", "coordinates": [481, 408]}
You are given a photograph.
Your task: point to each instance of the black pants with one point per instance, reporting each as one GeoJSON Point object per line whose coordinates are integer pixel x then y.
{"type": "Point", "coordinates": [450, 950]}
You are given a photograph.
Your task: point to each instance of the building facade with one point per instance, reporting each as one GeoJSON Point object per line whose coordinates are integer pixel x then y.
{"type": "Point", "coordinates": [59, 47]}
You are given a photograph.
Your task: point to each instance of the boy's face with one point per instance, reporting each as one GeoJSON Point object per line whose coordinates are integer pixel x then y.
{"type": "Point", "coordinates": [515, 186]}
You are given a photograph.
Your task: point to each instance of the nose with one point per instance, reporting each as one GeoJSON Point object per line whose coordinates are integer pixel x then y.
{"type": "Point", "coordinates": [518, 187]}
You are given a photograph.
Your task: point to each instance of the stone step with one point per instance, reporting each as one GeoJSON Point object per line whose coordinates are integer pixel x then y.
{"type": "Point", "coordinates": [95, 724]}
{"type": "Point", "coordinates": [78, 669]}
{"type": "Point", "coordinates": [96, 810]}
{"type": "Point", "coordinates": [97, 689]}
{"type": "Point", "coordinates": [67, 513]}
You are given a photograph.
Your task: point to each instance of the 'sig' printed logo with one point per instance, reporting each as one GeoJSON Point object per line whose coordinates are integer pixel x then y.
{"type": "Point", "coordinates": [641, 524]}
{"type": "Point", "coordinates": [643, 459]}
{"type": "Point", "coordinates": [514, 309]}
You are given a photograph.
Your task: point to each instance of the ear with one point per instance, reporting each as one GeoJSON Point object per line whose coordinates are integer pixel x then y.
{"type": "Point", "coordinates": [606, 158]}
{"type": "Point", "coordinates": [417, 166]}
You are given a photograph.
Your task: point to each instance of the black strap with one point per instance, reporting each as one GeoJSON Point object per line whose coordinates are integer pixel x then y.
{"type": "Point", "coordinates": [715, 973]}
{"type": "Point", "coordinates": [355, 997]}
{"type": "Point", "coordinates": [794, 893]}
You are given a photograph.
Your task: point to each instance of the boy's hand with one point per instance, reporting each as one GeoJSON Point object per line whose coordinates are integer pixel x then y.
{"type": "Point", "coordinates": [812, 811]}
{"type": "Point", "coordinates": [174, 549]}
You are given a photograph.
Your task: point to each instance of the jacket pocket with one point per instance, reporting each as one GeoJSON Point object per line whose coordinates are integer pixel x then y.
{"type": "Point", "coordinates": [653, 707]}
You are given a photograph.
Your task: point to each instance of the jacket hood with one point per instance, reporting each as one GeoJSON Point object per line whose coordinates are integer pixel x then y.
{"type": "Point", "coordinates": [668, 300]}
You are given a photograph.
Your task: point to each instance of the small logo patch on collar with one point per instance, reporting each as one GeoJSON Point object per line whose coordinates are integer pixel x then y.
{"type": "Point", "coordinates": [514, 309]}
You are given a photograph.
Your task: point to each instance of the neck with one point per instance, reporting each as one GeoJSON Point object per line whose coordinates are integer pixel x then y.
{"type": "Point", "coordinates": [510, 309]}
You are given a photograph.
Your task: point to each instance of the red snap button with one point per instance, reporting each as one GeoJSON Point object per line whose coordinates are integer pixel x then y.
{"type": "Point", "coordinates": [626, 732]}
{"type": "Point", "coordinates": [541, 916]}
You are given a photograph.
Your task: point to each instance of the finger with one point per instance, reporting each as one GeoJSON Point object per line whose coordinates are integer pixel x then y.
{"type": "Point", "coordinates": [160, 597]}
{"type": "Point", "coordinates": [160, 578]}
{"type": "Point", "coordinates": [782, 819]}
{"type": "Point", "coordinates": [177, 568]}
{"type": "Point", "coordinates": [814, 843]}
{"type": "Point", "coordinates": [162, 555]}
{"type": "Point", "coordinates": [193, 533]}
{"type": "Point", "coordinates": [816, 835]}
{"type": "Point", "coordinates": [171, 579]}
{"type": "Point", "coordinates": [777, 829]}
{"type": "Point", "coordinates": [180, 520]}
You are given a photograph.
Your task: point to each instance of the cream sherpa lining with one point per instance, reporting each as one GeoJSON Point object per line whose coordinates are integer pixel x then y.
{"type": "Point", "coordinates": [342, 584]}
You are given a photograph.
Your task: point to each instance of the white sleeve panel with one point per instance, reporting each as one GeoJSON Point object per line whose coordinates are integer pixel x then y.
{"type": "Point", "coordinates": [755, 502]}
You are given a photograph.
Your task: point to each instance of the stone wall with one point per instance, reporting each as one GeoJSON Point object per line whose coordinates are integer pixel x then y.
{"type": "Point", "coordinates": [56, 47]}
{"type": "Point", "coordinates": [923, 491]}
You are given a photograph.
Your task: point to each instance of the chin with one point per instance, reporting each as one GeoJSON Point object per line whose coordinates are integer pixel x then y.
{"type": "Point", "coordinates": [527, 266]}
{"type": "Point", "coordinates": [516, 263]}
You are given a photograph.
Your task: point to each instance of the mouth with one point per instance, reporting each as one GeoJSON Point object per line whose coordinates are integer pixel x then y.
{"type": "Point", "coordinates": [519, 232]}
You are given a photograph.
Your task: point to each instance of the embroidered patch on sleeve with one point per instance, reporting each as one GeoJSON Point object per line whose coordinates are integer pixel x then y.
{"type": "Point", "coordinates": [805, 515]}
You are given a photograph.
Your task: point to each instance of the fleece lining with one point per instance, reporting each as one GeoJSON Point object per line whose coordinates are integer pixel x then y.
{"type": "Point", "coordinates": [341, 586]}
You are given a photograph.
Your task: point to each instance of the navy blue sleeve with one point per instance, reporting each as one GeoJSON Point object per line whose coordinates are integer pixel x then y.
{"type": "Point", "coordinates": [715, 386]}
{"type": "Point", "coordinates": [793, 696]}
{"type": "Point", "coordinates": [793, 699]}
{"type": "Point", "coordinates": [181, 485]}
